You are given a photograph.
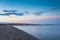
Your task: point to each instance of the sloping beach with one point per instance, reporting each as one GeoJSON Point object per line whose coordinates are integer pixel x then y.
{"type": "Point", "coordinates": [8, 32]}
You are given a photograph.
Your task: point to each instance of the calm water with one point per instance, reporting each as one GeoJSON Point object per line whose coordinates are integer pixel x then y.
{"type": "Point", "coordinates": [42, 32]}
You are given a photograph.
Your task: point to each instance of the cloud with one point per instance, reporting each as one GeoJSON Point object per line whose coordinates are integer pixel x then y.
{"type": "Point", "coordinates": [53, 9]}
{"type": "Point", "coordinates": [38, 13]}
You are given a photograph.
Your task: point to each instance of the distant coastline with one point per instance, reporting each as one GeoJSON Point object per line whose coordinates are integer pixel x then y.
{"type": "Point", "coordinates": [28, 24]}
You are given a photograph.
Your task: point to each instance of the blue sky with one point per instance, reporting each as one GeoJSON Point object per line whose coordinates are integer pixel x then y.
{"type": "Point", "coordinates": [47, 7]}
{"type": "Point", "coordinates": [29, 5]}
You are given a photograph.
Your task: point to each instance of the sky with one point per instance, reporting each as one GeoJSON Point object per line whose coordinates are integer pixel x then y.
{"type": "Point", "coordinates": [48, 11]}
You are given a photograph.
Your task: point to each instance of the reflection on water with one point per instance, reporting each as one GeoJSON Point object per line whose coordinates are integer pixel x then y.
{"type": "Point", "coordinates": [42, 32]}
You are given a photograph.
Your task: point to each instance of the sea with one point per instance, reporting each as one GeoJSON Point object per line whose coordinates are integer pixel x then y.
{"type": "Point", "coordinates": [42, 32]}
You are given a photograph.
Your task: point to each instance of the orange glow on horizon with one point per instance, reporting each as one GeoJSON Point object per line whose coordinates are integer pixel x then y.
{"type": "Point", "coordinates": [26, 19]}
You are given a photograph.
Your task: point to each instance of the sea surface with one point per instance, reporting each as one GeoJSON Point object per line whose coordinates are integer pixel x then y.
{"type": "Point", "coordinates": [42, 32]}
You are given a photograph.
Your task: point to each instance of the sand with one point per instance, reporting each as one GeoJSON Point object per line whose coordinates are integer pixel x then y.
{"type": "Point", "coordinates": [8, 32]}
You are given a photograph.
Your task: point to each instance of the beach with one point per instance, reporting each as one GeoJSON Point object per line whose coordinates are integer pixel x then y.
{"type": "Point", "coordinates": [8, 32]}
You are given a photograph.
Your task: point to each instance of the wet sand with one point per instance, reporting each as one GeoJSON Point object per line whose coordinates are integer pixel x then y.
{"type": "Point", "coordinates": [8, 32]}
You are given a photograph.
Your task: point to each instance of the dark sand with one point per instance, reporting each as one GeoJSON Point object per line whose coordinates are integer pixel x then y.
{"type": "Point", "coordinates": [8, 32]}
